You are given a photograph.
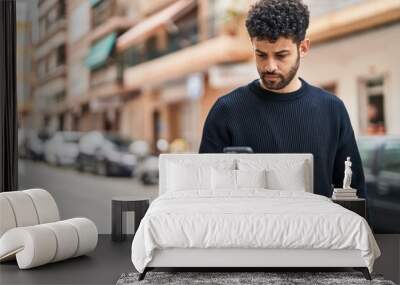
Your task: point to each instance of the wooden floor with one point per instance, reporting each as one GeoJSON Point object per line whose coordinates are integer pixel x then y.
{"type": "Point", "coordinates": [102, 266]}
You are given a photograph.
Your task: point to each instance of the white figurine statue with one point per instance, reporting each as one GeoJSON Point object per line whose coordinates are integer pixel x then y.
{"type": "Point", "coordinates": [347, 174]}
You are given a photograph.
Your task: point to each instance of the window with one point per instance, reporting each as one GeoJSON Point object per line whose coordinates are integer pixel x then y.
{"type": "Point", "coordinates": [61, 55]}
{"type": "Point", "coordinates": [151, 48]}
{"type": "Point", "coordinates": [184, 31]}
{"type": "Point", "coordinates": [372, 107]}
{"type": "Point", "coordinates": [59, 97]}
{"type": "Point", "coordinates": [61, 8]}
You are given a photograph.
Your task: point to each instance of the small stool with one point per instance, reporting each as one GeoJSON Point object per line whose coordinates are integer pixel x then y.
{"type": "Point", "coordinates": [123, 204]}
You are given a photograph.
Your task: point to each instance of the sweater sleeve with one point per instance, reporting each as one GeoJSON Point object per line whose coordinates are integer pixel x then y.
{"type": "Point", "coordinates": [216, 134]}
{"type": "Point", "coordinates": [347, 146]}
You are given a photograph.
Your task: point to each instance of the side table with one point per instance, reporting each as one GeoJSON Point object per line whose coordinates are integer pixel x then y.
{"type": "Point", "coordinates": [122, 204]}
{"type": "Point", "coordinates": [357, 205]}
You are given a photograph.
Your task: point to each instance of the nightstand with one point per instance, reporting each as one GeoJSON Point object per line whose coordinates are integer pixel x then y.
{"type": "Point", "coordinates": [122, 204]}
{"type": "Point", "coordinates": [357, 205]}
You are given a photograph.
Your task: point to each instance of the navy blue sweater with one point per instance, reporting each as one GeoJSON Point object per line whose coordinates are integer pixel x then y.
{"type": "Point", "coordinates": [309, 120]}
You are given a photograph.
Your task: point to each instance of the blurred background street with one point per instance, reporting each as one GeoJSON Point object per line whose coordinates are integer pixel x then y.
{"type": "Point", "coordinates": [105, 86]}
{"type": "Point", "coordinates": [81, 195]}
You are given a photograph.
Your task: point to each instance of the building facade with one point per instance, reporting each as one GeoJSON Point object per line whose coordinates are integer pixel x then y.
{"type": "Point", "coordinates": [50, 58]}
{"type": "Point", "coordinates": [24, 61]}
{"type": "Point", "coordinates": [168, 57]}
{"type": "Point", "coordinates": [151, 70]}
{"type": "Point", "coordinates": [354, 55]}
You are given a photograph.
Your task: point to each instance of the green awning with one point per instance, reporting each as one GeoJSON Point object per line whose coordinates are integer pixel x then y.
{"type": "Point", "coordinates": [95, 2]}
{"type": "Point", "coordinates": [100, 51]}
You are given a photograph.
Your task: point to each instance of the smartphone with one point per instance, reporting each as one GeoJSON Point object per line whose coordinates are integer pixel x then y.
{"type": "Point", "coordinates": [238, 149]}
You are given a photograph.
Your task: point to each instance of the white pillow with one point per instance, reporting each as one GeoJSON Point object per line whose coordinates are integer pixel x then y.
{"type": "Point", "coordinates": [223, 179]}
{"type": "Point", "coordinates": [226, 179]}
{"type": "Point", "coordinates": [181, 177]}
{"type": "Point", "coordinates": [193, 174]}
{"type": "Point", "coordinates": [281, 174]}
{"type": "Point", "coordinates": [291, 179]}
{"type": "Point", "coordinates": [251, 178]}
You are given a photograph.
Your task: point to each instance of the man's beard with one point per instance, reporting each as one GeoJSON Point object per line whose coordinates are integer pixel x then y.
{"type": "Point", "coordinates": [281, 81]}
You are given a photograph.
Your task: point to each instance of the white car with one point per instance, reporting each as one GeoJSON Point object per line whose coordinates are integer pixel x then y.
{"type": "Point", "coordinates": [106, 154]}
{"type": "Point", "coordinates": [62, 148]}
{"type": "Point", "coordinates": [32, 143]}
{"type": "Point", "coordinates": [148, 170]}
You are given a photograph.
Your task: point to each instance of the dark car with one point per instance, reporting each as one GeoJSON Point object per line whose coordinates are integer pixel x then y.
{"type": "Point", "coordinates": [148, 170]}
{"type": "Point", "coordinates": [381, 161]}
{"type": "Point", "coordinates": [31, 143]}
{"type": "Point", "coordinates": [106, 154]}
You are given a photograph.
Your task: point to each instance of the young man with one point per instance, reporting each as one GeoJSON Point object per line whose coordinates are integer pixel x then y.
{"type": "Point", "coordinates": [280, 112]}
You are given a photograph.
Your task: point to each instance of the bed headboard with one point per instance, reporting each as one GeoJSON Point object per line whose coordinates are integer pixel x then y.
{"type": "Point", "coordinates": [212, 159]}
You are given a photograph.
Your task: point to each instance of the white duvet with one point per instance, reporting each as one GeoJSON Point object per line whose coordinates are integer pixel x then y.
{"type": "Point", "coordinates": [252, 218]}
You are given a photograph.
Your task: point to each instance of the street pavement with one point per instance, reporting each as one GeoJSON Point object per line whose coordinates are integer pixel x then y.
{"type": "Point", "coordinates": [81, 194]}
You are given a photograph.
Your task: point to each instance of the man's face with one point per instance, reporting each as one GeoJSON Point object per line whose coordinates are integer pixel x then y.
{"type": "Point", "coordinates": [278, 62]}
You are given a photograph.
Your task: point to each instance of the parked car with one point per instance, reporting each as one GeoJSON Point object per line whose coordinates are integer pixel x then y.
{"type": "Point", "coordinates": [32, 144]}
{"type": "Point", "coordinates": [381, 162]}
{"type": "Point", "coordinates": [62, 148]}
{"type": "Point", "coordinates": [148, 170]}
{"type": "Point", "coordinates": [106, 154]}
{"type": "Point", "coordinates": [22, 137]}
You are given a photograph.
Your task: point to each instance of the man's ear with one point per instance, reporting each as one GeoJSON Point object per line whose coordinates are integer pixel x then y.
{"type": "Point", "coordinates": [304, 47]}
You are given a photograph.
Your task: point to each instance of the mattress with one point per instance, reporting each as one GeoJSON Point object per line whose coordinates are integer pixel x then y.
{"type": "Point", "coordinates": [251, 219]}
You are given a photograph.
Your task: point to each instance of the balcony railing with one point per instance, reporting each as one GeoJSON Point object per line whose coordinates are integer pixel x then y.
{"type": "Point", "coordinates": [103, 11]}
{"type": "Point", "coordinates": [52, 20]}
{"type": "Point", "coordinates": [184, 35]}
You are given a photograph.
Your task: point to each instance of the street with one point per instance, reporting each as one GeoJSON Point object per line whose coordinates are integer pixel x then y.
{"type": "Point", "coordinates": [81, 194]}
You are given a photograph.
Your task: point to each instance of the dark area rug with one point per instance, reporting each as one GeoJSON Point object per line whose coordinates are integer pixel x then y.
{"type": "Point", "coordinates": [242, 278]}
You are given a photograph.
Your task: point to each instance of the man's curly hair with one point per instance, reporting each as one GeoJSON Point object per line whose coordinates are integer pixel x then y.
{"type": "Point", "coordinates": [272, 19]}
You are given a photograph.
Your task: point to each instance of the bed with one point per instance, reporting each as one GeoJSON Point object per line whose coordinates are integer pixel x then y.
{"type": "Point", "coordinates": [247, 210]}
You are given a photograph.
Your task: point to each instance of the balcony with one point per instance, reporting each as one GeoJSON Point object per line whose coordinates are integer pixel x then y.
{"type": "Point", "coordinates": [102, 11]}
{"type": "Point", "coordinates": [353, 19]}
{"type": "Point", "coordinates": [113, 24]}
{"type": "Point", "coordinates": [51, 65]}
{"type": "Point", "coordinates": [195, 58]}
{"type": "Point", "coordinates": [58, 72]}
{"type": "Point", "coordinates": [148, 7]}
{"type": "Point", "coordinates": [106, 75]}
{"type": "Point", "coordinates": [52, 19]}
{"type": "Point", "coordinates": [179, 37]}
{"type": "Point", "coordinates": [45, 5]}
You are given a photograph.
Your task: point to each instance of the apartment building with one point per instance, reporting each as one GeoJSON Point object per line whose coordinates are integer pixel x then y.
{"type": "Point", "coordinates": [354, 54]}
{"type": "Point", "coordinates": [50, 58]}
{"type": "Point", "coordinates": [152, 69]}
{"type": "Point", "coordinates": [24, 57]}
{"type": "Point", "coordinates": [167, 59]}
{"type": "Point", "coordinates": [92, 64]}
{"type": "Point", "coordinates": [213, 56]}
{"type": "Point", "coordinates": [78, 15]}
